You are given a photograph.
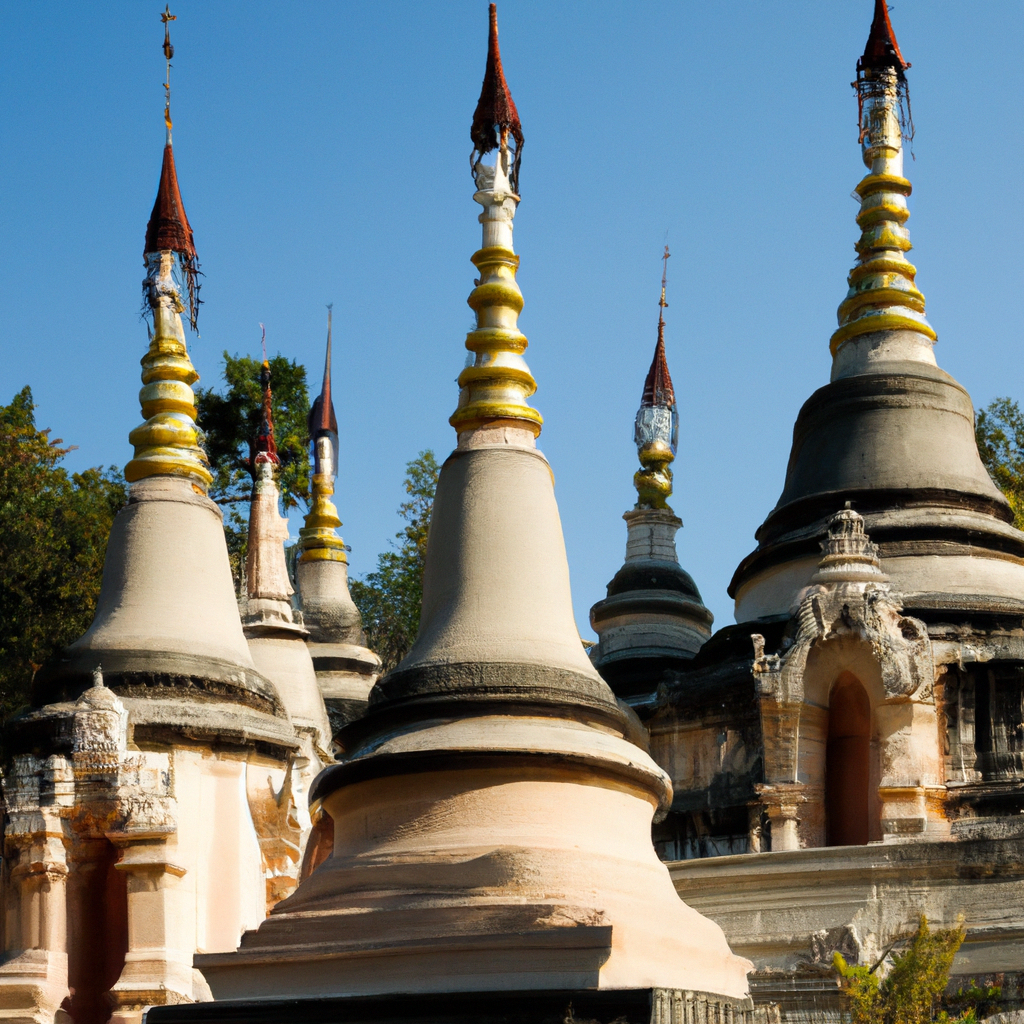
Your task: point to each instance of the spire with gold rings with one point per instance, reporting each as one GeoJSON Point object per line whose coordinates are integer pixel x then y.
{"type": "Point", "coordinates": [656, 431]}
{"type": "Point", "coordinates": [318, 538]}
{"type": "Point", "coordinates": [495, 385]}
{"type": "Point", "coordinates": [169, 443]}
{"type": "Point", "coordinates": [882, 295]}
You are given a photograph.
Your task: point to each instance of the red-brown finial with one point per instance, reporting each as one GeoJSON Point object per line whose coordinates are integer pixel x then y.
{"type": "Point", "coordinates": [882, 50]}
{"type": "Point", "coordinates": [266, 448]}
{"type": "Point", "coordinates": [321, 417]}
{"type": "Point", "coordinates": [168, 229]}
{"type": "Point", "coordinates": [496, 117]}
{"type": "Point", "coordinates": [168, 226]}
{"type": "Point", "coordinates": [658, 386]}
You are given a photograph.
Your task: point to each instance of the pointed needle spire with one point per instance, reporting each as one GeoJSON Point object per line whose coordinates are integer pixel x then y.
{"type": "Point", "coordinates": [168, 229]}
{"type": "Point", "coordinates": [321, 417]}
{"type": "Point", "coordinates": [661, 302]}
{"type": "Point", "coordinates": [658, 389]}
{"type": "Point", "coordinates": [266, 447]}
{"type": "Point", "coordinates": [318, 540]}
{"type": "Point", "coordinates": [322, 420]}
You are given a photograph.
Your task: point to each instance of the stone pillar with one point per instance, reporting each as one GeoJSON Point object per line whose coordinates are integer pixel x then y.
{"type": "Point", "coordinates": [34, 976]}
{"type": "Point", "coordinates": [158, 964]}
{"type": "Point", "coordinates": [911, 791]}
{"type": "Point", "coordinates": [782, 803]}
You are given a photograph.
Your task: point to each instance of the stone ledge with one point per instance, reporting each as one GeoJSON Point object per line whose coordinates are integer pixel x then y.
{"type": "Point", "coordinates": [560, 1006]}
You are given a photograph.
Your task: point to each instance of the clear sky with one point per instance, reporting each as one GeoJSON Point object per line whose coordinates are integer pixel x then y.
{"type": "Point", "coordinates": [322, 150]}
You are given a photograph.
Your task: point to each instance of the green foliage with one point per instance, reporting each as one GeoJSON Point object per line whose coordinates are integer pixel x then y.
{"type": "Point", "coordinates": [53, 538]}
{"type": "Point", "coordinates": [975, 1001]}
{"type": "Point", "coordinates": [231, 423]}
{"type": "Point", "coordinates": [911, 989]}
{"type": "Point", "coordinates": [999, 430]}
{"type": "Point", "coordinates": [389, 598]}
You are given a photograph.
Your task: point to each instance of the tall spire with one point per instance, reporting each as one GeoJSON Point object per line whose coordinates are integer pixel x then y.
{"type": "Point", "coordinates": [267, 585]}
{"type": "Point", "coordinates": [656, 432]}
{"type": "Point", "coordinates": [266, 447]}
{"type": "Point", "coordinates": [497, 383]}
{"type": "Point", "coordinates": [168, 442]}
{"type": "Point", "coordinates": [318, 539]}
{"type": "Point", "coordinates": [653, 618]}
{"type": "Point", "coordinates": [883, 295]}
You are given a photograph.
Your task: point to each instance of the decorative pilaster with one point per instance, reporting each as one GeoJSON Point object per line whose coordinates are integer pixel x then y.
{"type": "Point", "coordinates": [158, 964]}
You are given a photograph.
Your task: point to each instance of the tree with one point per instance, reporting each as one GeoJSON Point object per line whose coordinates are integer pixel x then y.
{"type": "Point", "coordinates": [911, 989]}
{"type": "Point", "coordinates": [999, 430]}
{"type": "Point", "coordinates": [54, 528]}
{"type": "Point", "coordinates": [231, 422]}
{"type": "Point", "coordinates": [389, 598]}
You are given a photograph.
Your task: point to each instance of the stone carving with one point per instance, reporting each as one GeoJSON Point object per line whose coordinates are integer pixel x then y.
{"type": "Point", "coordinates": [275, 815]}
{"type": "Point", "coordinates": [101, 721]}
{"type": "Point", "coordinates": [849, 596]}
{"type": "Point", "coordinates": [846, 621]}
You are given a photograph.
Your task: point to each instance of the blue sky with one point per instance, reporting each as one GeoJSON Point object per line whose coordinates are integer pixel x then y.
{"type": "Point", "coordinates": [323, 156]}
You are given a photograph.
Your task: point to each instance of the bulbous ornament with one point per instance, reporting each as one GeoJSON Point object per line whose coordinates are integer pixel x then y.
{"type": "Point", "coordinates": [654, 482]}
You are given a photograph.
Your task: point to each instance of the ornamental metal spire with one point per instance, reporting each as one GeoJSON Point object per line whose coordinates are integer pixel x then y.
{"type": "Point", "coordinates": [656, 432]}
{"type": "Point", "coordinates": [168, 442]}
{"type": "Point", "coordinates": [318, 539]}
{"type": "Point", "coordinates": [496, 382]}
{"type": "Point", "coordinates": [883, 295]}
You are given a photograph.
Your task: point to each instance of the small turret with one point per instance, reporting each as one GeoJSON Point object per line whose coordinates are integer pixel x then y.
{"type": "Point", "coordinates": [345, 668]}
{"type": "Point", "coordinates": [653, 618]}
{"type": "Point", "coordinates": [276, 640]}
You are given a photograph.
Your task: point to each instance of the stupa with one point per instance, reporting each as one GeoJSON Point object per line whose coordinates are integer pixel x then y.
{"type": "Point", "coordinates": [857, 727]}
{"type": "Point", "coordinates": [154, 768]}
{"type": "Point", "coordinates": [653, 619]}
{"type": "Point", "coordinates": [492, 810]}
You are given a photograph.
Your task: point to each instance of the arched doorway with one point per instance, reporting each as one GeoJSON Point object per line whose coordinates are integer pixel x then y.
{"type": "Point", "coordinates": [848, 764]}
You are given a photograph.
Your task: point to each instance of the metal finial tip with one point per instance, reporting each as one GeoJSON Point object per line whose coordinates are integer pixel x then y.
{"type": "Point", "coordinates": [167, 18]}
{"type": "Point", "coordinates": [664, 277]}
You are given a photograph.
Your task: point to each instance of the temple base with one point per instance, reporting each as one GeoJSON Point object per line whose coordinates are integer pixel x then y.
{"type": "Point", "coordinates": [554, 1006]}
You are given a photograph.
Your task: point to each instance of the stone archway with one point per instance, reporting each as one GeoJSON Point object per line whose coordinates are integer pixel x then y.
{"type": "Point", "coordinates": [848, 772]}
